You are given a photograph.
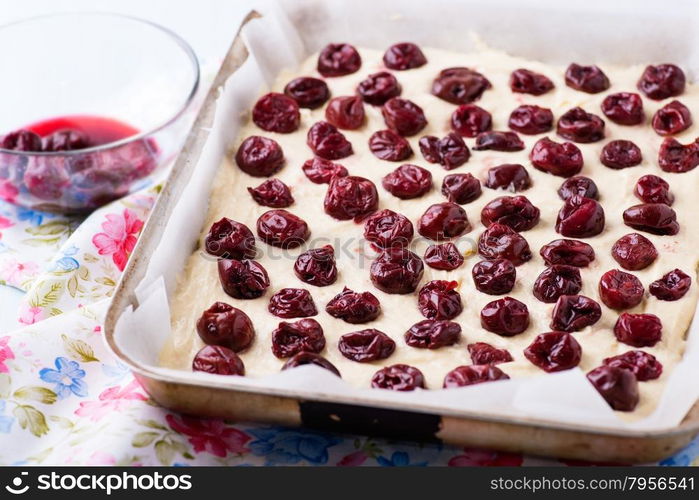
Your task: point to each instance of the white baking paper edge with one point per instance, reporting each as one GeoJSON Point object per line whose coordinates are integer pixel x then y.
{"type": "Point", "coordinates": [604, 32]}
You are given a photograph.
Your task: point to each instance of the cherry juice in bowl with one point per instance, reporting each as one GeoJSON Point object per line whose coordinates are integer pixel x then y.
{"type": "Point", "coordinates": [79, 132]}
{"type": "Point", "coordinates": [74, 163]}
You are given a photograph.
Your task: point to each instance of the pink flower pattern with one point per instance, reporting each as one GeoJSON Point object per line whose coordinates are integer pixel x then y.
{"type": "Point", "coordinates": [5, 354]}
{"type": "Point", "coordinates": [477, 457]}
{"type": "Point", "coordinates": [8, 191]}
{"type": "Point", "coordinates": [15, 272]}
{"type": "Point", "coordinates": [112, 399]}
{"type": "Point", "coordinates": [28, 315]}
{"type": "Point", "coordinates": [210, 435]}
{"type": "Point", "coordinates": [5, 223]}
{"type": "Point", "coordinates": [119, 237]}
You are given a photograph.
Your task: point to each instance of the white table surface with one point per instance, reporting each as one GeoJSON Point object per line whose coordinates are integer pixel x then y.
{"type": "Point", "coordinates": [208, 25]}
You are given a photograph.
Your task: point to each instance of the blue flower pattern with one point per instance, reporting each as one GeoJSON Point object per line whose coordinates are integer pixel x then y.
{"type": "Point", "coordinates": [287, 446]}
{"type": "Point", "coordinates": [684, 457]}
{"type": "Point", "coordinates": [66, 262]}
{"type": "Point", "coordinates": [33, 217]}
{"type": "Point", "coordinates": [398, 459]}
{"type": "Point", "coordinates": [68, 377]}
{"type": "Point", "coordinates": [5, 420]}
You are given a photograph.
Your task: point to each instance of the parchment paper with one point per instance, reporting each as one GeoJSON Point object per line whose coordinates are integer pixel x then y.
{"type": "Point", "coordinates": [619, 32]}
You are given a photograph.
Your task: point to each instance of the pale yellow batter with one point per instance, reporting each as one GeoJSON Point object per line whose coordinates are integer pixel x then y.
{"type": "Point", "coordinates": [199, 286]}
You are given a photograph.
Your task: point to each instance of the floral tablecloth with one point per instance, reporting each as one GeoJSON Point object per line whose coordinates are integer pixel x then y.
{"type": "Point", "coordinates": [64, 399]}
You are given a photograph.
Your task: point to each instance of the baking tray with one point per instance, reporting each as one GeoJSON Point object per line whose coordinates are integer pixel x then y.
{"type": "Point", "coordinates": [177, 391]}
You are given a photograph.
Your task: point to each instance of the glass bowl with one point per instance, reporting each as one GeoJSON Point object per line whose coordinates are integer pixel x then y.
{"type": "Point", "coordinates": [106, 99]}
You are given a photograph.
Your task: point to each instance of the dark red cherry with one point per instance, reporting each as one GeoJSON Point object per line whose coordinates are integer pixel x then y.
{"type": "Point", "coordinates": [398, 378]}
{"type": "Point", "coordinates": [555, 281]}
{"type": "Point", "coordinates": [242, 279]}
{"type": "Point", "coordinates": [346, 112]}
{"type": "Point", "coordinates": [620, 154]}
{"type": "Point", "coordinates": [272, 193]}
{"type": "Point", "coordinates": [304, 335]}
{"type": "Point", "coordinates": [568, 252]}
{"type": "Point", "coordinates": [588, 79]}
{"type": "Point", "coordinates": [524, 81]}
{"type": "Point", "coordinates": [402, 56]}
{"type": "Point", "coordinates": [531, 120]}
{"type": "Point", "coordinates": [450, 151]}
{"type": "Point", "coordinates": [445, 257]}
{"type": "Point", "coordinates": [634, 252]}
{"type": "Point", "coordinates": [259, 156]}
{"type": "Point", "coordinates": [578, 185]}
{"type": "Point", "coordinates": [653, 189]}
{"type": "Point", "coordinates": [229, 239]}
{"type": "Point", "coordinates": [433, 334]}
{"type": "Point", "coordinates": [617, 386]}
{"type": "Point", "coordinates": [387, 228]}
{"type": "Point", "coordinates": [500, 241]}
{"type": "Point", "coordinates": [494, 277]}
{"type": "Point", "coordinates": [366, 345]}
{"type": "Point", "coordinates": [378, 88]}
{"type": "Point", "coordinates": [672, 119]}
{"type": "Point", "coordinates": [470, 120]}
{"type": "Point", "coordinates": [338, 59]}
{"type": "Point", "coordinates": [218, 360]}
{"type": "Point", "coordinates": [624, 108]}
{"type": "Point", "coordinates": [66, 140]}
{"type": "Point", "coordinates": [580, 126]}
{"type": "Point", "coordinates": [308, 92]}
{"type": "Point", "coordinates": [321, 171]}
{"type": "Point", "coordinates": [276, 112]}
{"type": "Point", "coordinates": [485, 354]}
{"type": "Point", "coordinates": [574, 312]}
{"type": "Point", "coordinates": [563, 159]}
{"type": "Point", "coordinates": [462, 376]}
{"type": "Point", "coordinates": [46, 178]}
{"type": "Point", "coordinates": [580, 218]}
{"type": "Point", "coordinates": [310, 358]}
{"type": "Point", "coordinates": [403, 116]}
{"type": "Point", "coordinates": [506, 317]}
{"type": "Point", "coordinates": [459, 85]}
{"type": "Point", "coordinates": [429, 147]}
{"type": "Point", "coordinates": [224, 325]}
{"type": "Point", "coordinates": [461, 188]}
{"type": "Point", "coordinates": [439, 299]}
{"type": "Point", "coordinates": [390, 146]}
{"type": "Point", "coordinates": [620, 290]}
{"type": "Point", "coordinates": [408, 181]}
{"type": "Point", "coordinates": [397, 270]}
{"type": "Point", "coordinates": [292, 303]}
{"type": "Point", "coordinates": [282, 229]}
{"type": "Point", "coordinates": [354, 307]}
{"type": "Point", "coordinates": [516, 212]}
{"type": "Point", "coordinates": [443, 221]}
{"type": "Point", "coordinates": [672, 286]}
{"type": "Point", "coordinates": [326, 141]}
{"type": "Point", "coordinates": [350, 197]}
{"type": "Point", "coordinates": [638, 330]}
{"type": "Point", "coordinates": [677, 157]}
{"type": "Point", "coordinates": [554, 351]}
{"type": "Point", "coordinates": [654, 218]}
{"type": "Point", "coordinates": [662, 81]}
{"type": "Point", "coordinates": [21, 140]}
{"type": "Point", "coordinates": [643, 365]}
{"type": "Point", "coordinates": [498, 141]}
{"type": "Point", "coordinates": [317, 266]}
{"type": "Point", "coordinates": [509, 176]}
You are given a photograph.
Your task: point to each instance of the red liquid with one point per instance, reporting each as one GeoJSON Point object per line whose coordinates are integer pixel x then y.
{"type": "Point", "coordinates": [73, 178]}
{"type": "Point", "coordinates": [99, 130]}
